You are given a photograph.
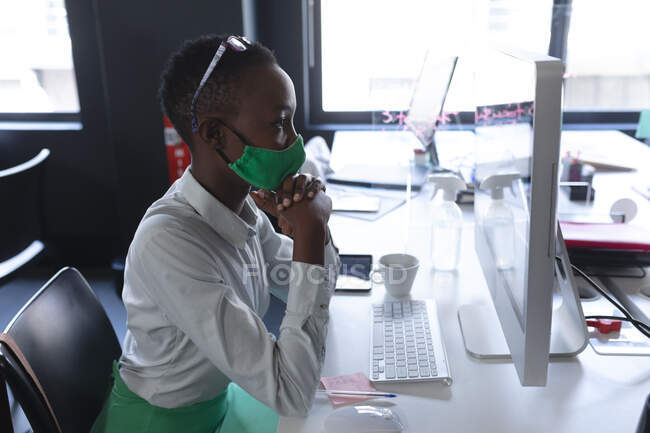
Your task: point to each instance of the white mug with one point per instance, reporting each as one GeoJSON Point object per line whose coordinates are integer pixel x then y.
{"type": "Point", "coordinates": [397, 271]}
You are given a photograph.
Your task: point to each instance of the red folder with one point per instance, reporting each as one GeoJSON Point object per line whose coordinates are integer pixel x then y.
{"type": "Point", "coordinates": [612, 236]}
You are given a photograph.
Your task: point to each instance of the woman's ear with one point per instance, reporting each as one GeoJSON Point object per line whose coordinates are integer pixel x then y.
{"type": "Point", "coordinates": [211, 133]}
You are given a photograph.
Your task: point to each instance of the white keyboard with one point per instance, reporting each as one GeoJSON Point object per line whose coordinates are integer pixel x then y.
{"type": "Point", "coordinates": [406, 344]}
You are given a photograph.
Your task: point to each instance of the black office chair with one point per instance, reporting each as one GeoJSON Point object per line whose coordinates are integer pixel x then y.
{"type": "Point", "coordinates": [69, 342]}
{"type": "Point", "coordinates": [21, 218]}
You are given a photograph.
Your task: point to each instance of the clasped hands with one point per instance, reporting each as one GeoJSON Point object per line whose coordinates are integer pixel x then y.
{"type": "Point", "coordinates": [300, 205]}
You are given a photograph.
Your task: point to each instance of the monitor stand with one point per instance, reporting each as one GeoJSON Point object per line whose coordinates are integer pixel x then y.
{"type": "Point", "coordinates": [481, 328]}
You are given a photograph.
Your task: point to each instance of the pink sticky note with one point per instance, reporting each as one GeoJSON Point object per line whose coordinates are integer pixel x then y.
{"type": "Point", "coordinates": [348, 382]}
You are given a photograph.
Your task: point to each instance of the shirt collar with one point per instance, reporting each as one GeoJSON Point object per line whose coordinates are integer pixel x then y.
{"type": "Point", "coordinates": [235, 229]}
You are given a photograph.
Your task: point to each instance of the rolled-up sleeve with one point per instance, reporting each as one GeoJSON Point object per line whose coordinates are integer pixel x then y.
{"type": "Point", "coordinates": [282, 373]}
{"type": "Point", "coordinates": [307, 295]}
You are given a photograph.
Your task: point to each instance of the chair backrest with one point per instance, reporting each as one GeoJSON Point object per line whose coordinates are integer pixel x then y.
{"type": "Point", "coordinates": [69, 342]}
{"type": "Point", "coordinates": [21, 219]}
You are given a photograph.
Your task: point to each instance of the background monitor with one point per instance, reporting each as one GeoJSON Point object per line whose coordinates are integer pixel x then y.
{"type": "Point", "coordinates": [428, 100]}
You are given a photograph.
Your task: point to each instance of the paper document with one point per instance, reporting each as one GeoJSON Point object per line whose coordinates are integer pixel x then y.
{"type": "Point", "coordinates": [348, 382]}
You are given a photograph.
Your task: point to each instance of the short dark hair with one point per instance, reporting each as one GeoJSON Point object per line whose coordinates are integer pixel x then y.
{"type": "Point", "coordinates": [183, 73]}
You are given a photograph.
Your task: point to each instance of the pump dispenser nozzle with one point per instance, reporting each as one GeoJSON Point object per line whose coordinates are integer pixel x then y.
{"type": "Point", "coordinates": [449, 183]}
{"type": "Point", "coordinates": [497, 182]}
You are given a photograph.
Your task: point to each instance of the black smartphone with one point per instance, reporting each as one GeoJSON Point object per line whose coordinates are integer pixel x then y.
{"type": "Point", "coordinates": [354, 273]}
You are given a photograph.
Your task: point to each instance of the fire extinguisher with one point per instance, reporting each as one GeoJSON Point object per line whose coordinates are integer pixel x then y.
{"type": "Point", "coordinates": [178, 155]}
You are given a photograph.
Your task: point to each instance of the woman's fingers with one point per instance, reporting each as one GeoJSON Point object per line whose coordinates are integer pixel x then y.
{"type": "Point", "coordinates": [316, 186]}
{"type": "Point", "coordinates": [295, 188]}
{"type": "Point", "coordinates": [286, 192]}
{"type": "Point", "coordinates": [285, 226]}
{"type": "Point", "coordinates": [265, 200]}
{"type": "Point", "coordinates": [302, 182]}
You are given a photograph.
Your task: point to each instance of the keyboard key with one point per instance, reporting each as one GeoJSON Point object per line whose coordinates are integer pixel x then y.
{"type": "Point", "coordinates": [377, 334]}
{"type": "Point", "coordinates": [413, 373]}
{"type": "Point", "coordinates": [412, 361]}
{"type": "Point", "coordinates": [390, 372]}
{"type": "Point", "coordinates": [375, 376]}
{"type": "Point", "coordinates": [424, 372]}
{"type": "Point", "coordinates": [401, 372]}
{"type": "Point", "coordinates": [378, 356]}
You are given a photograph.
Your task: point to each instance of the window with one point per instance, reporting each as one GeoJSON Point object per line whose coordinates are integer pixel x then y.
{"type": "Point", "coordinates": [608, 56]}
{"type": "Point", "coordinates": [365, 55]}
{"type": "Point", "coordinates": [371, 51]}
{"type": "Point", "coordinates": [36, 68]}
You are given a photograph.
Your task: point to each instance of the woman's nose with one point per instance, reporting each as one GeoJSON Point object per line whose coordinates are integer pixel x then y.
{"type": "Point", "coordinates": [291, 137]}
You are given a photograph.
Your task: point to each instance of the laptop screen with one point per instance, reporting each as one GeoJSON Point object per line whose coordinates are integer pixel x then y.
{"type": "Point", "coordinates": [429, 98]}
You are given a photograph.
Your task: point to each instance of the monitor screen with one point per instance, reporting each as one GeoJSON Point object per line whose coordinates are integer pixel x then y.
{"type": "Point", "coordinates": [505, 104]}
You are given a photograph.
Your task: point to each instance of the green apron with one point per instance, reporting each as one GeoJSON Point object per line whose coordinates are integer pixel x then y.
{"type": "Point", "coordinates": [232, 411]}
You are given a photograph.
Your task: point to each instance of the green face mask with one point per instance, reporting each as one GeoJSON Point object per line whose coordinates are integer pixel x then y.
{"type": "Point", "coordinates": [266, 168]}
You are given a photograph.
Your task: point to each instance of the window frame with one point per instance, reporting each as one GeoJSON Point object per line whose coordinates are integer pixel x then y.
{"type": "Point", "coordinates": [317, 118]}
{"type": "Point", "coordinates": [40, 117]}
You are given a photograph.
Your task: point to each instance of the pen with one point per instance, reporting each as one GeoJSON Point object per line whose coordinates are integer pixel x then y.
{"type": "Point", "coordinates": [358, 393]}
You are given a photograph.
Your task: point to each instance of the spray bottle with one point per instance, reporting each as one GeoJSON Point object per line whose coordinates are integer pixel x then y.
{"type": "Point", "coordinates": [447, 222]}
{"type": "Point", "coordinates": [498, 221]}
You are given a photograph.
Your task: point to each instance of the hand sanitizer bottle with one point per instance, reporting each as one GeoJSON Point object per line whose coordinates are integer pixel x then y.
{"type": "Point", "coordinates": [499, 221]}
{"type": "Point", "coordinates": [447, 222]}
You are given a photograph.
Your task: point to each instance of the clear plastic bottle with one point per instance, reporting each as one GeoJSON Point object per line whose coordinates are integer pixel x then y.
{"type": "Point", "coordinates": [499, 220]}
{"type": "Point", "coordinates": [499, 228]}
{"type": "Point", "coordinates": [447, 223]}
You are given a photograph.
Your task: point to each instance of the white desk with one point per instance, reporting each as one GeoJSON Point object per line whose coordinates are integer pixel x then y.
{"type": "Point", "coordinates": [590, 393]}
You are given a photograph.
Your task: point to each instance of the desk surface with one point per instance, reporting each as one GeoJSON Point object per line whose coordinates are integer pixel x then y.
{"type": "Point", "coordinates": [586, 393]}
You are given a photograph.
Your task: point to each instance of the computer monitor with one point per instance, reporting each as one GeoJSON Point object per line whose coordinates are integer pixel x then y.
{"type": "Point", "coordinates": [518, 123]}
{"type": "Point", "coordinates": [428, 100]}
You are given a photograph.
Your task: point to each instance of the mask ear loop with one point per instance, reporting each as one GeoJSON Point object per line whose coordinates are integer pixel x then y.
{"type": "Point", "coordinates": [223, 155]}
{"type": "Point", "coordinates": [236, 134]}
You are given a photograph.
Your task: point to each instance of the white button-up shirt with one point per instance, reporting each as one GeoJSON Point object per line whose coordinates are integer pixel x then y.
{"type": "Point", "coordinates": [196, 283]}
